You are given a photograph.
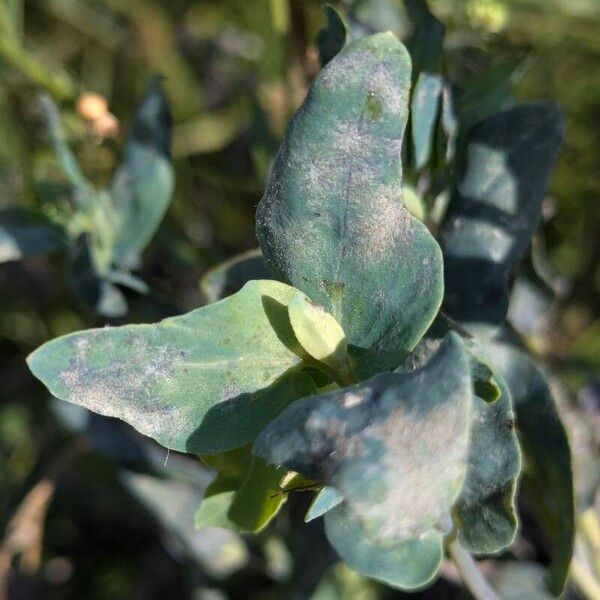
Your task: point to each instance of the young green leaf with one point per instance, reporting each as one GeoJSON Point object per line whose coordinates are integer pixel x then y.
{"type": "Point", "coordinates": [548, 477]}
{"type": "Point", "coordinates": [318, 333]}
{"type": "Point", "coordinates": [397, 455]}
{"type": "Point", "coordinates": [230, 276]}
{"type": "Point", "coordinates": [25, 233]}
{"type": "Point", "coordinates": [495, 209]}
{"type": "Point", "coordinates": [413, 202]}
{"type": "Point", "coordinates": [259, 498]}
{"type": "Point", "coordinates": [244, 496]}
{"type": "Point", "coordinates": [332, 222]}
{"type": "Point", "coordinates": [214, 508]}
{"type": "Point", "coordinates": [485, 381]}
{"type": "Point", "coordinates": [142, 185]}
{"type": "Point", "coordinates": [232, 468]}
{"type": "Point", "coordinates": [332, 38]}
{"type": "Point", "coordinates": [205, 381]}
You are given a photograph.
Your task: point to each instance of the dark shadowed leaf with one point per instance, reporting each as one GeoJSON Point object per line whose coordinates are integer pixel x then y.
{"type": "Point", "coordinates": [95, 292]}
{"type": "Point", "coordinates": [142, 185]}
{"type": "Point", "coordinates": [397, 455]}
{"type": "Point", "coordinates": [25, 232]}
{"type": "Point", "coordinates": [548, 479]}
{"type": "Point", "coordinates": [426, 42]}
{"type": "Point", "coordinates": [486, 94]}
{"type": "Point", "coordinates": [495, 208]}
{"type": "Point", "coordinates": [332, 222]}
{"type": "Point", "coordinates": [332, 38]}
{"type": "Point", "coordinates": [205, 381]}
{"type": "Point", "coordinates": [485, 514]}
{"type": "Point", "coordinates": [484, 383]}
{"type": "Point", "coordinates": [230, 276]}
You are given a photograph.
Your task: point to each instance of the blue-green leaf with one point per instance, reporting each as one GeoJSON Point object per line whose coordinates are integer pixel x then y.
{"type": "Point", "coordinates": [82, 189]}
{"type": "Point", "coordinates": [485, 514]}
{"type": "Point", "coordinates": [332, 222]}
{"type": "Point", "coordinates": [397, 455]}
{"type": "Point", "coordinates": [495, 208]}
{"type": "Point", "coordinates": [230, 276]}
{"type": "Point", "coordinates": [142, 185]}
{"type": "Point", "coordinates": [425, 105]}
{"type": "Point", "coordinates": [548, 478]}
{"type": "Point", "coordinates": [389, 438]}
{"type": "Point", "coordinates": [206, 381]}
{"type": "Point", "coordinates": [486, 94]}
{"type": "Point", "coordinates": [25, 233]}
{"type": "Point", "coordinates": [407, 564]}
{"type": "Point", "coordinates": [326, 499]}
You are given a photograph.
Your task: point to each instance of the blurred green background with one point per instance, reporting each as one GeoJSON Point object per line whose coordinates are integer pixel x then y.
{"type": "Point", "coordinates": [235, 71]}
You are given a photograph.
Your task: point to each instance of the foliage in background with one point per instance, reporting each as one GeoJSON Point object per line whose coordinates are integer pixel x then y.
{"type": "Point", "coordinates": [235, 75]}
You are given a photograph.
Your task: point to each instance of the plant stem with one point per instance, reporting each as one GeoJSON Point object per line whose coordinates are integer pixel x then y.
{"type": "Point", "coordinates": [589, 526]}
{"type": "Point", "coordinates": [476, 583]}
{"type": "Point", "coordinates": [584, 580]}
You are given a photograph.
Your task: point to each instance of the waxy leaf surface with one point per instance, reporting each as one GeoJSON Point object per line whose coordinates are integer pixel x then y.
{"type": "Point", "coordinates": [142, 185]}
{"type": "Point", "coordinates": [495, 208]}
{"type": "Point", "coordinates": [326, 499]}
{"type": "Point", "coordinates": [332, 221]}
{"type": "Point", "coordinates": [406, 564]}
{"type": "Point", "coordinates": [205, 381]}
{"type": "Point", "coordinates": [397, 455]}
{"type": "Point", "coordinates": [485, 514]}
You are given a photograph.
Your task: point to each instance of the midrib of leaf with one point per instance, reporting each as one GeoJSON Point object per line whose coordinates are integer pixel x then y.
{"type": "Point", "coordinates": [338, 292]}
{"type": "Point", "coordinates": [246, 362]}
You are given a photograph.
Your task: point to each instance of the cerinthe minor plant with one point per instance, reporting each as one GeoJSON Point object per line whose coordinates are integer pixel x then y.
{"type": "Point", "coordinates": [338, 371]}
